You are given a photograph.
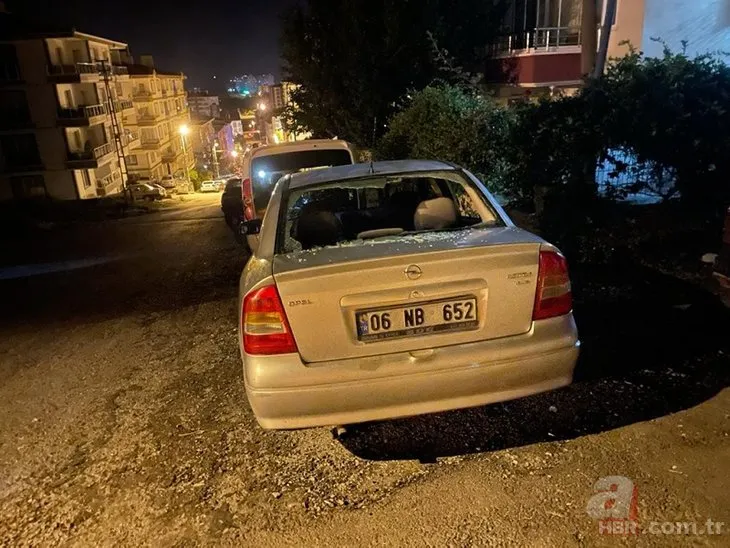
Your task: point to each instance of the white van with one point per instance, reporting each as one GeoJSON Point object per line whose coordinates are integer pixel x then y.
{"type": "Point", "coordinates": [264, 166]}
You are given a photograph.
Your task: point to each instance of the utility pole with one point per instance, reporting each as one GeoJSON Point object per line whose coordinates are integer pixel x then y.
{"type": "Point", "coordinates": [605, 38]}
{"type": "Point", "coordinates": [589, 40]}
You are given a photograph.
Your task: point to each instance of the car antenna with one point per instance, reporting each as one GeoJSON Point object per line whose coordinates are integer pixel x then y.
{"type": "Point", "coordinates": [372, 144]}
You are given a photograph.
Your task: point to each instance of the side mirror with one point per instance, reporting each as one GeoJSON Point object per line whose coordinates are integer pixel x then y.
{"type": "Point", "coordinates": [249, 228]}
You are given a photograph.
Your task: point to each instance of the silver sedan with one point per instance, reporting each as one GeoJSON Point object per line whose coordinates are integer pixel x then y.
{"type": "Point", "coordinates": [394, 289]}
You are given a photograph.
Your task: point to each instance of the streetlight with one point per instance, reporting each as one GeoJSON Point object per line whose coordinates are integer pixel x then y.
{"type": "Point", "coordinates": [234, 153]}
{"type": "Point", "coordinates": [184, 130]}
{"type": "Point", "coordinates": [262, 106]}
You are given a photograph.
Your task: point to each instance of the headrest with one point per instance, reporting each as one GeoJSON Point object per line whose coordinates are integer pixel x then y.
{"type": "Point", "coordinates": [317, 227]}
{"type": "Point", "coordinates": [435, 214]}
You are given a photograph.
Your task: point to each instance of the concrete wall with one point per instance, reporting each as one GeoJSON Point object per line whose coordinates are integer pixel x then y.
{"type": "Point", "coordinates": [61, 185]}
{"type": "Point", "coordinates": [704, 24]}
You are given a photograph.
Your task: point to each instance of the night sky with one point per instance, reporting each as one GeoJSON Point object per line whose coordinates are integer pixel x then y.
{"type": "Point", "coordinates": [200, 38]}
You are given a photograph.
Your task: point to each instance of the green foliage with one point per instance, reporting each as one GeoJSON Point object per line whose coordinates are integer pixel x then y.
{"type": "Point", "coordinates": [452, 124]}
{"type": "Point", "coordinates": [670, 116]}
{"type": "Point", "coordinates": [356, 60]}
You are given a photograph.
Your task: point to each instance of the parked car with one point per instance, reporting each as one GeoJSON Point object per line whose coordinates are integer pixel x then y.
{"type": "Point", "coordinates": [209, 186]}
{"type": "Point", "coordinates": [429, 298]}
{"type": "Point", "coordinates": [147, 191]}
{"type": "Point", "coordinates": [169, 183]}
{"type": "Point", "coordinates": [264, 166]}
{"type": "Point", "coordinates": [232, 202]}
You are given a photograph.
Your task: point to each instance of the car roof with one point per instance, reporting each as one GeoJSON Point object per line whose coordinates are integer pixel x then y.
{"type": "Point", "coordinates": [357, 171]}
{"type": "Point", "coordinates": [295, 146]}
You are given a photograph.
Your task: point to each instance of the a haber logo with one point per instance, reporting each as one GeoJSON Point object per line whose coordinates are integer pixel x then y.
{"type": "Point", "coordinates": [614, 504]}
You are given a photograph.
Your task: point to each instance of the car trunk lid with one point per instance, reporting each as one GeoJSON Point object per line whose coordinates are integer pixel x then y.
{"type": "Point", "coordinates": [330, 292]}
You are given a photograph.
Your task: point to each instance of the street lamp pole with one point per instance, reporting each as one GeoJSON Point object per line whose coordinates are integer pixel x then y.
{"type": "Point", "coordinates": [184, 130]}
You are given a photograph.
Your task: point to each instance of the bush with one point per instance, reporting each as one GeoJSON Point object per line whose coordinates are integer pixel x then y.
{"type": "Point", "coordinates": [451, 124]}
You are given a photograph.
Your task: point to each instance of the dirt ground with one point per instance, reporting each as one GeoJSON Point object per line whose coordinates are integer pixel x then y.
{"type": "Point", "coordinates": [124, 420]}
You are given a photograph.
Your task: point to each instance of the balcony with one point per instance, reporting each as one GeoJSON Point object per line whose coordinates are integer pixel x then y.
{"type": "Point", "coordinates": [151, 143]}
{"type": "Point", "coordinates": [120, 70]}
{"type": "Point", "coordinates": [540, 57]}
{"type": "Point", "coordinates": [539, 40]}
{"type": "Point", "coordinates": [169, 154]}
{"type": "Point", "coordinates": [148, 119]}
{"type": "Point", "coordinates": [90, 159]}
{"type": "Point", "coordinates": [130, 140]}
{"type": "Point", "coordinates": [85, 115]}
{"type": "Point", "coordinates": [77, 72]}
{"type": "Point", "coordinates": [143, 95]}
{"type": "Point", "coordinates": [123, 104]}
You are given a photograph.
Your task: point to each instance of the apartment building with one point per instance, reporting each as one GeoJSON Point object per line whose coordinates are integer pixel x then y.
{"type": "Point", "coordinates": [160, 111]}
{"type": "Point", "coordinates": [61, 110]}
{"type": "Point", "coordinates": [202, 138]}
{"type": "Point", "coordinates": [204, 105]}
{"type": "Point", "coordinates": [539, 52]}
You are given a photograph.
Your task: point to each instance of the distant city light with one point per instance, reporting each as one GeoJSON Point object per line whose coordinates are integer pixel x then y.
{"type": "Point", "coordinates": [234, 153]}
{"type": "Point", "coordinates": [261, 174]}
{"type": "Point", "coordinates": [262, 106]}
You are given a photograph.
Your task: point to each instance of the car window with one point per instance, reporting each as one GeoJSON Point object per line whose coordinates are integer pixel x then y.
{"type": "Point", "coordinates": [380, 209]}
{"type": "Point", "coordinates": [267, 170]}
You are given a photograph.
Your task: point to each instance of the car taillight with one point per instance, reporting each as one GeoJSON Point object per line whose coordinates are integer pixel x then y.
{"type": "Point", "coordinates": [553, 296]}
{"type": "Point", "coordinates": [247, 195]}
{"type": "Point", "coordinates": [264, 324]}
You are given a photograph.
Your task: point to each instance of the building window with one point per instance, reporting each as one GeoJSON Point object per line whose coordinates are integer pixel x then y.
{"type": "Point", "coordinates": [84, 176]}
{"type": "Point", "coordinates": [28, 186]}
{"type": "Point", "coordinates": [9, 68]}
{"type": "Point", "coordinates": [132, 159]}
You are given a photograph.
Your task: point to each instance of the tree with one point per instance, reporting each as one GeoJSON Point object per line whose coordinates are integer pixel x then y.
{"type": "Point", "coordinates": [452, 124]}
{"type": "Point", "coordinates": [356, 60]}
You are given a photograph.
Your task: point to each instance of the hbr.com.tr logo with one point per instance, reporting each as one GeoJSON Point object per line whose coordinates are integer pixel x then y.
{"type": "Point", "coordinates": [614, 504]}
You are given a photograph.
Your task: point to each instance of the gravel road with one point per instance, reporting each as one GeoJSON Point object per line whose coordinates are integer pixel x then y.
{"type": "Point", "coordinates": [124, 420]}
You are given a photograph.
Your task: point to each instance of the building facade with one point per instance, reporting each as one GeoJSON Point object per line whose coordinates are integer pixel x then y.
{"type": "Point", "coordinates": [539, 52]}
{"type": "Point", "coordinates": [204, 105]}
{"type": "Point", "coordinates": [62, 102]}
{"type": "Point", "coordinates": [160, 111]}
{"type": "Point", "coordinates": [202, 138]}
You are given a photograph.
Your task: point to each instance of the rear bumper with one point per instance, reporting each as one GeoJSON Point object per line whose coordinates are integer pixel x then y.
{"type": "Point", "coordinates": [285, 393]}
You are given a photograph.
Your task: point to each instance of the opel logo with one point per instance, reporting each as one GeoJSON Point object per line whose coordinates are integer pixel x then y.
{"type": "Point", "coordinates": [413, 272]}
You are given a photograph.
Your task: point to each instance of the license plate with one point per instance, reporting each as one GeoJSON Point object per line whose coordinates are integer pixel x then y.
{"type": "Point", "coordinates": [413, 320]}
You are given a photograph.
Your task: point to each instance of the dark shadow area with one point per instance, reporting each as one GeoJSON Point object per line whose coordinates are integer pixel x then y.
{"type": "Point", "coordinates": [148, 270]}
{"type": "Point", "coordinates": [651, 346]}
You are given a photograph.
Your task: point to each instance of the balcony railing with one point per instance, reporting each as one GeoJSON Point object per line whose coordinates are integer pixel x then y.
{"type": "Point", "coordinates": [76, 68]}
{"type": "Point", "coordinates": [123, 104]}
{"type": "Point", "coordinates": [153, 142]}
{"type": "Point", "coordinates": [147, 119]}
{"type": "Point", "coordinates": [120, 70]}
{"type": "Point", "coordinates": [129, 138]}
{"type": "Point", "coordinates": [540, 39]}
{"type": "Point", "coordinates": [93, 154]}
{"type": "Point", "coordinates": [82, 112]}
{"type": "Point", "coordinates": [143, 95]}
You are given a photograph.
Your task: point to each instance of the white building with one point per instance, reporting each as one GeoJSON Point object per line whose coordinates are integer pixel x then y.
{"type": "Point", "coordinates": [61, 107]}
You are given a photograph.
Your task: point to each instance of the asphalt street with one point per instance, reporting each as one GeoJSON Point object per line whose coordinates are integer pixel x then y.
{"type": "Point", "coordinates": [123, 419]}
